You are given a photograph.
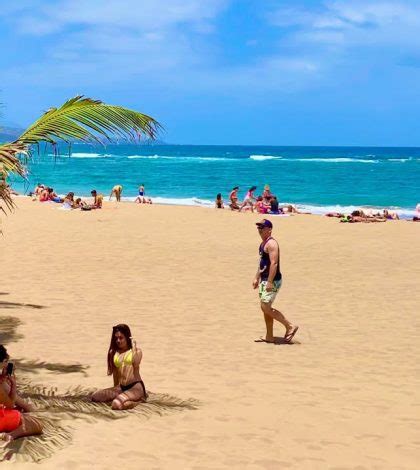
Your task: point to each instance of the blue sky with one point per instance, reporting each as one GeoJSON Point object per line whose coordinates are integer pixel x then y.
{"type": "Point", "coordinates": [224, 71]}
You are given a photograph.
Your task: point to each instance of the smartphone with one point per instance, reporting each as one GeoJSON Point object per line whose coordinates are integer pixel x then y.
{"type": "Point", "coordinates": [10, 368]}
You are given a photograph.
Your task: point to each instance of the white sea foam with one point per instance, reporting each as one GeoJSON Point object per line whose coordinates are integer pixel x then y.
{"type": "Point", "coordinates": [87, 155]}
{"type": "Point", "coordinates": [313, 159]}
{"type": "Point", "coordinates": [332, 160]}
{"type": "Point", "coordinates": [179, 158]}
{"type": "Point", "coordinates": [402, 160]}
{"type": "Point", "coordinates": [261, 158]}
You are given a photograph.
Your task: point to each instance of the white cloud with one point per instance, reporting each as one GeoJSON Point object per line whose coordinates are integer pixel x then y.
{"type": "Point", "coordinates": [147, 15]}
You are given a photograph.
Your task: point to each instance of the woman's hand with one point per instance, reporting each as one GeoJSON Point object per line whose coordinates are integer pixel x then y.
{"type": "Point", "coordinates": [12, 382]}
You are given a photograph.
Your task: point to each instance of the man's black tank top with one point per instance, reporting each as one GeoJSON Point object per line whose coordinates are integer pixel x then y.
{"type": "Point", "coordinates": [265, 263]}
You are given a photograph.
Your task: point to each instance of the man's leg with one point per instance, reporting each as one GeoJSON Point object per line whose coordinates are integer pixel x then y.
{"type": "Point", "coordinates": [272, 313]}
{"type": "Point", "coordinates": [269, 337]}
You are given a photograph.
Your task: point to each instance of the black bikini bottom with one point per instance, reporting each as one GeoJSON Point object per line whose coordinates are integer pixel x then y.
{"type": "Point", "coordinates": [124, 388]}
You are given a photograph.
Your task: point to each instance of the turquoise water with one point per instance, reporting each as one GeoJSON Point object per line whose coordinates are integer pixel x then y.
{"type": "Point", "coordinates": [318, 178]}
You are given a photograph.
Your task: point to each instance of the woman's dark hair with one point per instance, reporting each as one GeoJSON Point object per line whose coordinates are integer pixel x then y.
{"type": "Point", "coordinates": [3, 353]}
{"type": "Point", "coordinates": [252, 188]}
{"type": "Point", "coordinates": [125, 330]}
{"type": "Point", "coordinates": [219, 196]}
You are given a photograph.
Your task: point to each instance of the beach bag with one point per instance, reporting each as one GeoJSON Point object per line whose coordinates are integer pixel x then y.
{"type": "Point", "coordinates": [9, 419]}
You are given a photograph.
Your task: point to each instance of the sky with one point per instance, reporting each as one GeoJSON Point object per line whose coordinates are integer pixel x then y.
{"type": "Point", "coordinates": [260, 72]}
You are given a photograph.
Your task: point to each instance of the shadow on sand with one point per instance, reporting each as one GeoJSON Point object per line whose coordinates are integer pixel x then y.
{"type": "Point", "coordinates": [278, 341]}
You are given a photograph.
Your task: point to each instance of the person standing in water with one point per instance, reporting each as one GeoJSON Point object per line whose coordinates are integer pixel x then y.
{"type": "Point", "coordinates": [268, 279]}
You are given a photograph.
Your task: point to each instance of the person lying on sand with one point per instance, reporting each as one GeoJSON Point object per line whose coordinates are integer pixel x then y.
{"type": "Point", "coordinates": [357, 218]}
{"type": "Point", "coordinates": [14, 420]}
{"type": "Point", "coordinates": [124, 365]}
{"type": "Point", "coordinates": [335, 214]}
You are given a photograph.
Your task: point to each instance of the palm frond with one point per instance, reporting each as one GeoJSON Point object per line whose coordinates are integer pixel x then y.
{"type": "Point", "coordinates": [10, 163]}
{"type": "Point", "coordinates": [82, 118]}
{"type": "Point", "coordinates": [36, 448]}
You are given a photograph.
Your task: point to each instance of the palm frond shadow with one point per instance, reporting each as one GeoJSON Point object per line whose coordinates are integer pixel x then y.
{"type": "Point", "coordinates": [4, 304]}
{"type": "Point", "coordinates": [8, 327]}
{"type": "Point", "coordinates": [35, 366]}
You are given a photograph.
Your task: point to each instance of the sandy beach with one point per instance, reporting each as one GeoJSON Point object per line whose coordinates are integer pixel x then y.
{"type": "Point", "coordinates": [345, 395]}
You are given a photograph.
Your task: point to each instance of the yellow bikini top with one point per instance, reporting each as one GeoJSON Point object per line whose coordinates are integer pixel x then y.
{"type": "Point", "coordinates": [127, 359]}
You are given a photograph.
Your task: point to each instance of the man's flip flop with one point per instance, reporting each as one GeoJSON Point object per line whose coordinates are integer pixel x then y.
{"type": "Point", "coordinates": [290, 335]}
{"type": "Point", "coordinates": [262, 340]}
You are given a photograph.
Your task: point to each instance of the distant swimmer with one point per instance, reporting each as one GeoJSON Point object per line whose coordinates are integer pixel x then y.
{"type": "Point", "coordinates": [268, 279]}
{"type": "Point", "coordinates": [116, 190]}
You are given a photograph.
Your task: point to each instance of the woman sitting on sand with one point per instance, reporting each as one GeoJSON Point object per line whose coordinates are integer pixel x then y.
{"type": "Point", "coordinates": [123, 364]}
{"type": "Point", "coordinates": [260, 207]}
{"type": "Point", "coordinates": [14, 420]}
{"type": "Point", "coordinates": [68, 202]}
{"type": "Point", "coordinates": [218, 203]}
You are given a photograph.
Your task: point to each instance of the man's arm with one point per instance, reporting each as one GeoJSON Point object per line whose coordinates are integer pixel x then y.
{"type": "Point", "coordinates": [273, 251]}
{"type": "Point", "coordinates": [256, 280]}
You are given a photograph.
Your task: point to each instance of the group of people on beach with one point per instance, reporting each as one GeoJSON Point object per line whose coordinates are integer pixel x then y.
{"type": "Point", "coordinates": [123, 363]}
{"type": "Point", "coordinates": [266, 203]}
{"type": "Point", "coordinates": [45, 193]}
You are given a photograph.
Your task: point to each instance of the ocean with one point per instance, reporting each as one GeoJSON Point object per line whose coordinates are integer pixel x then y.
{"type": "Point", "coordinates": [316, 179]}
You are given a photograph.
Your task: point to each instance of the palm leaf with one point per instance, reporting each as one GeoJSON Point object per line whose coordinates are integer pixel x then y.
{"type": "Point", "coordinates": [54, 410]}
{"type": "Point", "coordinates": [85, 119]}
{"type": "Point", "coordinates": [10, 163]}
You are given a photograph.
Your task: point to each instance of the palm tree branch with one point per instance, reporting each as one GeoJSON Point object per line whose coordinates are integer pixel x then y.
{"type": "Point", "coordinates": [82, 118]}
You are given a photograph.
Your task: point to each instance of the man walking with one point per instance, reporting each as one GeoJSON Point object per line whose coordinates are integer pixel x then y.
{"type": "Point", "coordinates": [268, 279]}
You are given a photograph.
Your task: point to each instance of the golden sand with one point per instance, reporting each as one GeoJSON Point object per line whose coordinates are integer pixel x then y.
{"type": "Point", "coordinates": [345, 395]}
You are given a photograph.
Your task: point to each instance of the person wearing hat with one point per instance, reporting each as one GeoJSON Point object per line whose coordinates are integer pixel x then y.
{"type": "Point", "coordinates": [268, 280]}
